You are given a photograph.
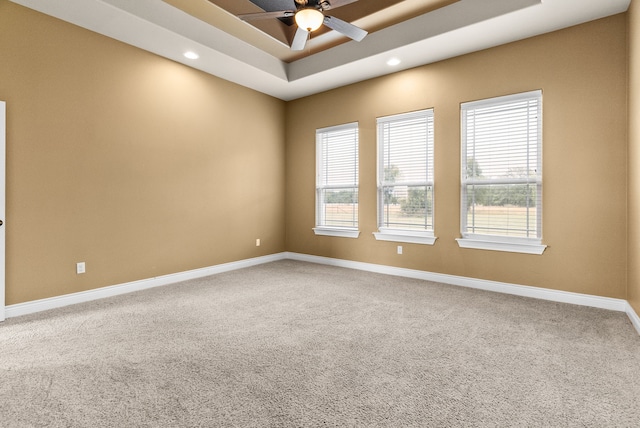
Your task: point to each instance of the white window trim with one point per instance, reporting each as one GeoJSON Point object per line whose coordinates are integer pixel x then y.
{"type": "Point", "coordinates": [341, 232]}
{"type": "Point", "coordinates": [425, 237]}
{"type": "Point", "coordinates": [500, 243]}
{"type": "Point", "coordinates": [408, 236]}
{"type": "Point", "coordinates": [322, 230]}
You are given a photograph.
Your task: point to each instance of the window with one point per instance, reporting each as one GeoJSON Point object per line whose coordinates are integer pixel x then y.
{"type": "Point", "coordinates": [337, 181]}
{"type": "Point", "coordinates": [405, 178]}
{"type": "Point", "coordinates": [501, 174]}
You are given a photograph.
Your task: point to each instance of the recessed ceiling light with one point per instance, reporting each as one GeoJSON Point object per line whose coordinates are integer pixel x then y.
{"type": "Point", "coordinates": [191, 55]}
{"type": "Point", "coordinates": [393, 61]}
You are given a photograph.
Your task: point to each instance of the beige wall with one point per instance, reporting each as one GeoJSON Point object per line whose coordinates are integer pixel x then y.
{"type": "Point", "coordinates": [582, 72]}
{"type": "Point", "coordinates": [141, 167]}
{"type": "Point", "coordinates": [633, 292]}
{"type": "Point", "coordinates": [134, 164]}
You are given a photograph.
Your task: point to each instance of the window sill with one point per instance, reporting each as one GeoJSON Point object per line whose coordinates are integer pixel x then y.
{"type": "Point", "coordinates": [410, 237]}
{"type": "Point", "coordinates": [336, 231]}
{"type": "Point", "coordinates": [511, 247]}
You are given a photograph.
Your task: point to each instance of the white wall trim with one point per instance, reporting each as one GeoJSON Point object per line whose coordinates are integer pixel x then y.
{"type": "Point", "coordinates": [510, 247]}
{"type": "Point", "coordinates": [341, 232]}
{"type": "Point", "coordinates": [115, 290]}
{"type": "Point", "coordinates": [499, 287]}
{"type": "Point", "coordinates": [633, 316]}
{"type": "Point", "coordinates": [3, 192]}
{"type": "Point", "coordinates": [403, 236]}
{"type": "Point", "coordinates": [620, 305]}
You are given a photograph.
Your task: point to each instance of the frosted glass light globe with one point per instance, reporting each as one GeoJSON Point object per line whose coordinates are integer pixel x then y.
{"type": "Point", "coordinates": [309, 19]}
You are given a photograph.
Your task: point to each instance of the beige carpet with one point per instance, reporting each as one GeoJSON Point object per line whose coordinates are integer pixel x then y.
{"type": "Point", "coordinates": [292, 344]}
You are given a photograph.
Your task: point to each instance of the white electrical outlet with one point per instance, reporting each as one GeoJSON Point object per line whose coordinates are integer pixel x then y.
{"type": "Point", "coordinates": [399, 249]}
{"type": "Point", "coordinates": [80, 268]}
{"type": "Point", "coordinates": [258, 242]}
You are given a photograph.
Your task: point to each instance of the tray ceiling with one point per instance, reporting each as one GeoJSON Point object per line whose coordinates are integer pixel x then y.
{"type": "Point", "coordinates": [274, 36]}
{"type": "Point", "coordinates": [239, 52]}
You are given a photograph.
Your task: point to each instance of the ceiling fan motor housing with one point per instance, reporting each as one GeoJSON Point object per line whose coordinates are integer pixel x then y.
{"type": "Point", "coordinates": [315, 4]}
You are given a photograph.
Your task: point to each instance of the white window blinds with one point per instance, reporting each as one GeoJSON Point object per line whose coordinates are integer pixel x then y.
{"type": "Point", "coordinates": [502, 167]}
{"type": "Point", "coordinates": [337, 176]}
{"type": "Point", "coordinates": [405, 172]}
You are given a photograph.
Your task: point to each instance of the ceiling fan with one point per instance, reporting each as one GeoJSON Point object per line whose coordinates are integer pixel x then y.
{"type": "Point", "coordinates": [308, 15]}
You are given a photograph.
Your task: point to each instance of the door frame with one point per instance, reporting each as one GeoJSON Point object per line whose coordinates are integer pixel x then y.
{"type": "Point", "coordinates": [3, 134]}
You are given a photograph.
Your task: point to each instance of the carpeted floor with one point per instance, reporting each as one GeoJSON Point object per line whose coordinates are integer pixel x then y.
{"type": "Point", "coordinates": [292, 344]}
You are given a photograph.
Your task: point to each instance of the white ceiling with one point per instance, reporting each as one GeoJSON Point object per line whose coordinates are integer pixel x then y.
{"type": "Point", "coordinates": [462, 27]}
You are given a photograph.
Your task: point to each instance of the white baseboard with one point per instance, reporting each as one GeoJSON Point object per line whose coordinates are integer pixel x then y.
{"type": "Point", "coordinates": [620, 305]}
{"type": "Point", "coordinates": [633, 316]}
{"type": "Point", "coordinates": [115, 290]}
{"type": "Point", "coordinates": [499, 287]}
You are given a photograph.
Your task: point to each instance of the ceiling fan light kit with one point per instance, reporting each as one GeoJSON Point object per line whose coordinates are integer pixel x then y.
{"type": "Point", "coordinates": [309, 19]}
{"type": "Point", "coordinates": [308, 15]}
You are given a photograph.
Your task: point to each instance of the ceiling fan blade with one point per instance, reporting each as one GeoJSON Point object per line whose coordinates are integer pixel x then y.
{"type": "Point", "coordinates": [343, 27]}
{"type": "Point", "coordinates": [266, 15]}
{"type": "Point", "coordinates": [299, 40]}
{"type": "Point", "coordinates": [332, 4]}
{"type": "Point", "coordinates": [272, 5]}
